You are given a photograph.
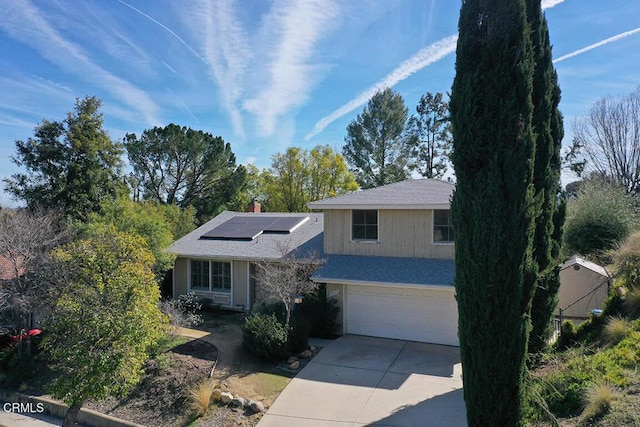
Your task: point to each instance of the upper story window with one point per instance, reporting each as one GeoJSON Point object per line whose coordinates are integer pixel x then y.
{"type": "Point", "coordinates": [364, 225]}
{"type": "Point", "coordinates": [442, 229]}
{"type": "Point", "coordinates": [210, 276]}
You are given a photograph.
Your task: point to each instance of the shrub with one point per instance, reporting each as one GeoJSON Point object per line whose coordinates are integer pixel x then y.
{"type": "Point", "coordinates": [632, 304]}
{"type": "Point", "coordinates": [200, 397]}
{"type": "Point", "coordinates": [615, 330]}
{"type": "Point", "coordinates": [183, 312]}
{"type": "Point", "coordinates": [598, 401]}
{"type": "Point", "coordinates": [323, 313]}
{"type": "Point", "coordinates": [264, 336]}
{"type": "Point", "coordinates": [300, 332]}
{"type": "Point", "coordinates": [599, 218]}
{"type": "Point", "coordinates": [567, 335]}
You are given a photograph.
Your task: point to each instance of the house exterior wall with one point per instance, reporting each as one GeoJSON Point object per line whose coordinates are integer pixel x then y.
{"type": "Point", "coordinates": [575, 284]}
{"type": "Point", "coordinates": [180, 271]}
{"type": "Point", "coordinates": [239, 284]}
{"type": "Point", "coordinates": [397, 235]}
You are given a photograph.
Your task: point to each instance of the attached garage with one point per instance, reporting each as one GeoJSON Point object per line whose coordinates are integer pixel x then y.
{"type": "Point", "coordinates": [414, 314]}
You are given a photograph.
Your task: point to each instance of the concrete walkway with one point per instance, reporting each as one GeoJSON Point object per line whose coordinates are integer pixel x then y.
{"type": "Point", "coordinates": [10, 419]}
{"type": "Point", "coordinates": [357, 381]}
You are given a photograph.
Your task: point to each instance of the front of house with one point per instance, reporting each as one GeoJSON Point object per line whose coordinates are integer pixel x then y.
{"type": "Point", "coordinates": [388, 255]}
{"type": "Point", "coordinates": [389, 261]}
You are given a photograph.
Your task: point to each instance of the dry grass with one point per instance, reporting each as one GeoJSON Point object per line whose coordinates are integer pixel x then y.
{"type": "Point", "coordinates": [632, 303]}
{"type": "Point", "coordinates": [616, 329]}
{"type": "Point", "coordinates": [598, 402]}
{"type": "Point", "coordinates": [200, 397]}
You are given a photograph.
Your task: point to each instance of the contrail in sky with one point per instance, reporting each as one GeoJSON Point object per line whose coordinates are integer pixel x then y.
{"type": "Point", "coordinates": [426, 56]}
{"type": "Point", "coordinates": [167, 30]}
{"type": "Point", "coordinates": [596, 45]}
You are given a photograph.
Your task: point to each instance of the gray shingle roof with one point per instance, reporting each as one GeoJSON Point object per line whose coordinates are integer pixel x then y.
{"type": "Point", "coordinates": [306, 239]}
{"type": "Point", "coordinates": [585, 263]}
{"type": "Point", "coordinates": [387, 270]}
{"type": "Point", "coordinates": [410, 194]}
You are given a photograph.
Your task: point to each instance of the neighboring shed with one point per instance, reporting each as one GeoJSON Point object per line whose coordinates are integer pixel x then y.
{"type": "Point", "coordinates": [584, 286]}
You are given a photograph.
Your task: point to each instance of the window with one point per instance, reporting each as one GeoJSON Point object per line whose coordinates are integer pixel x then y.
{"type": "Point", "coordinates": [210, 276]}
{"type": "Point", "coordinates": [364, 225]}
{"type": "Point", "coordinates": [220, 276]}
{"type": "Point", "coordinates": [442, 229]}
{"type": "Point", "coordinates": [200, 275]}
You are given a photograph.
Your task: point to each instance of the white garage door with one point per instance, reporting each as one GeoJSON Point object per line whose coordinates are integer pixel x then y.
{"type": "Point", "coordinates": [427, 315]}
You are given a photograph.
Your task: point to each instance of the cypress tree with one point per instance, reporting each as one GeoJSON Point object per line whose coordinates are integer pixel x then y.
{"type": "Point", "coordinates": [492, 207]}
{"type": "Point", "coordinates": [547, 122]}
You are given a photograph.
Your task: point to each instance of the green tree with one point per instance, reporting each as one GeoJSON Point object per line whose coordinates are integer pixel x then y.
{"type": "Point", "coordinates": [71, 165]}
{"type": "Point", "coordinates": [492, 207]}
{"type": "Point", "coordinates": [430, 140]}
{"type": "Point", "coordinates": [298, 176]}
{"type": "Point", "coordinates": [105, 320]}
{"type": "Point", "coordinates": [376, 146]}
{"type": "Point", "coordinates": [600, 217]}
{"type": "Point", "coordinates": [145, 219]}
{"type": "Point", "coordinates": [181, 166]}
{"type": "Point", "coordinates": [547, 122]}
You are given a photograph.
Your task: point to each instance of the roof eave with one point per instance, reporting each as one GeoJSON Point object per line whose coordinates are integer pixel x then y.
{"type": "Point", "coordinates": [369, 283]}
{"type": "Point", "coordinates": [394, 206]}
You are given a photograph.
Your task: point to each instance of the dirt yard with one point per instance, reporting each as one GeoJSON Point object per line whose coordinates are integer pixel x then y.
{"type": "Point", "coordinates": [162, 397]}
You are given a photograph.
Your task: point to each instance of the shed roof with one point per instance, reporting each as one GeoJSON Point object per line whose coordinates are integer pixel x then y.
{"type": "Point", "coordinates": [576, 260]}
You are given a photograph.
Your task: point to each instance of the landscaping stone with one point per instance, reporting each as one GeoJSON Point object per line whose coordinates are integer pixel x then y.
{"type": "Point", "coordinates": [312, 348]}
{"type": "Point", "coordinates": [291, 360]}
{"type": "Point", "coordinates": [238, 402]}
{"type": "Point", "coordinates": [226, 397]}
{"type": "Point", "coordinates": [256, 406]}
{"type": "Point", "coordinates": [307, 354]}
{"type": "Point", "coordinates": [295, 365]}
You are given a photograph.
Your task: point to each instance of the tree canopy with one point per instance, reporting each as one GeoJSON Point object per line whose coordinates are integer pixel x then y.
{"type": "Point", "coordinates": [376, 145]}
{"type": "Point", "coordinates": [71, 165]}
{"type": "Point", "coordinates": [181, 166]}
{"type": "Point", "coordinates": [430, 136]}
{"type": "Point", "coordinates": [298, 176]}
{"type": "Point", "coordinates": [106, 318]}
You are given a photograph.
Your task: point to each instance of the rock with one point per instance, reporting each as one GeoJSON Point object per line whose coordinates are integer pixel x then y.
{"type": "Point", "coordinates": [226, 397]}
{"type": "Point", "coordinates": [256, 406]}
{"type": "Point", "coordinates": [291, 360]}
{"type": "Point", "coordinates": [238, 402]}
{"type": "Point", "coordinates": [312, 348]}
{"type": "Point", "coordinates": [307, 354]}
{"type": "Point", "coordinates": [295, 365]}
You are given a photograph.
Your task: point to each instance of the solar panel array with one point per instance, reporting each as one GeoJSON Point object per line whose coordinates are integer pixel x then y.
{"type": "Point", "coordinates": [250, 227]}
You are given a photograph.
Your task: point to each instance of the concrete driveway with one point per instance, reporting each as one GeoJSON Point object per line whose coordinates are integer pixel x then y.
{"type": "Point", "coordinates": [357, 381]}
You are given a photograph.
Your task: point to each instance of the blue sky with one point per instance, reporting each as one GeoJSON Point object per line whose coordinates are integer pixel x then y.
{"type": "Point", "coordinates": [266, 75]}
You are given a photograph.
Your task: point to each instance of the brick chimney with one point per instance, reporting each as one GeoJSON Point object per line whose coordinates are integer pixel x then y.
{"type": "Point", "coordinates": [253, 207]}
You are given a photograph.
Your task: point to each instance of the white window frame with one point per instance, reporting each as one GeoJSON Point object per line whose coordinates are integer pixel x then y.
{"type": "Point", "coordinates": [212, 292]}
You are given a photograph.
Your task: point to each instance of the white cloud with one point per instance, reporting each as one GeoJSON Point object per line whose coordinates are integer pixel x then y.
{"type": "Point", "coordinates": [297, 26]}
{"type": "Point", "coordinates": [417, 62]}
{"type": "Point", "coordinates": [597, 45]}
{"type": "Point", "coordinates": [24, 22]}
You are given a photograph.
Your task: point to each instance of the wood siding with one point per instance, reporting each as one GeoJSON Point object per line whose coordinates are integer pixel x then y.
{"type": "Point", "coordinates": [401, 233]}
{"type": "Point", "coordinates": [180, 279]}
{"type": "Point", "coordinates": [239, 284]}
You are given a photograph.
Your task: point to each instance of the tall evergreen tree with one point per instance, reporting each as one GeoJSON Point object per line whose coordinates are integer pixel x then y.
{"type": "Point", "coordinates": [547, 122]}
{"type": "Point", "coordinates": [492, 207]}
{"type": "Point", "coordinates": [71, 165]}
{"type": "Point", "coordinates": [376, 145]}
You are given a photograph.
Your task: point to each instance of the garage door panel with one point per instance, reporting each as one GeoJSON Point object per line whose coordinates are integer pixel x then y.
{"type": "Point", "coordinates": [403, 313]}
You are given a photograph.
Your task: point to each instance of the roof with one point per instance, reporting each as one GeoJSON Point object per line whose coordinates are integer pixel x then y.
{"type": "Point", "coordinates": [576, 260]}
{"type": "Point", "coordinates": [7, 271]}
{"type": "Point", "coordinates": [306, 239]}
{"type": "Point", "coordinates": [409, 194]}
{"type": "Point", "coordinates": [356, 269]}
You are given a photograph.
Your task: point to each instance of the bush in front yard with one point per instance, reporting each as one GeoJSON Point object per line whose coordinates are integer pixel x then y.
{"type": "Point", "coordinates": [265, 337]}
{"type": "Point", "coordinates": [322, 312]}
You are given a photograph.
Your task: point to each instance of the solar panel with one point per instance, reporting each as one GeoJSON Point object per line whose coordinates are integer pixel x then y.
{"type": "Point", "coordinates": [250, 227]}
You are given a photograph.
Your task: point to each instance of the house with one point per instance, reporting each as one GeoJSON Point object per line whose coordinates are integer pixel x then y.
{"type": "Point", "coordinates": [584, 286]}
{"type": "Point", "coordinates": [389, 261]}
{"type": "Point", "coordinates": [388, 255]}
{"type": "Point", "coordinates": [217, 260]}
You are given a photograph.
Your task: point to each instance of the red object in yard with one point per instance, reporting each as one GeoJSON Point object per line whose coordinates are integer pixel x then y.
{"type": "Point", "coordinates": [25, 334]}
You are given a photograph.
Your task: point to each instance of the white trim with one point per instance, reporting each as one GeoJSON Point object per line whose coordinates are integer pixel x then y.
{"type": "Point", "coordinates": [173, 279]}
{"type": "Point", "coordinates": [211, 290]}
{"type": "Point", "coordinates": [386, 284]}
